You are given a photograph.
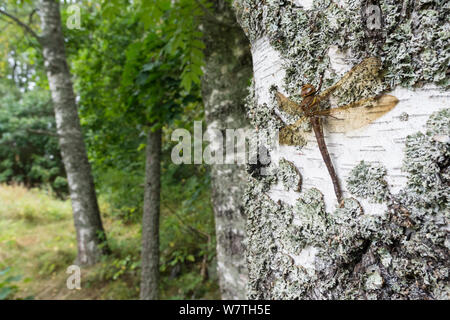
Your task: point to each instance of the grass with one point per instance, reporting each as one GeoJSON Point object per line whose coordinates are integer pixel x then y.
{"type": "Point", "coordinates": [37, 241]}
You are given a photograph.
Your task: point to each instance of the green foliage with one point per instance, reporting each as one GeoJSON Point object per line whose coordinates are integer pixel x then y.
{"type": "Point", "coordinates": [151, 84]}
{"type": "Point", "coordinates": [140, 88]}
{"type": "Point", "coordinates": [187, 225]}
{"type": "Point", "coordinates": [178, 25]}
{"type": "Point", "coordinates": [189, 286]}
{"type": "Point", "coordinates": [49, 263]}
{"type": "Point", "coordinates": [187, 233]}
{"type": "Point", "coordinates": [124, 263]}
{"type": "Point", "coordinates": [29, 151]}
{"type": "Point", "coordinates": [137, 67]}
{"type": "Point", "coordinates": [123, 190]}
{"type": "Point", "coordinates": [19, 52]}
{"type": "Point", "coordinates": [150, 58]}
{"type": "Point", "coordinates": [7, 286]}
{"type": "Point", "coordinates": [184, 35]}
{"type": "Point", "coordinates": [32, 206]}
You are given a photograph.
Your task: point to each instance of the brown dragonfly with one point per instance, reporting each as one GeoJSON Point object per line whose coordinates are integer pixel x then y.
{"type": "Point", "coordinates": [340, 119]}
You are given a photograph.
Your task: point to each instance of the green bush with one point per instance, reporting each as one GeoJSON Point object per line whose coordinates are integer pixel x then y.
{"type": "Point", "coordinates": [123, 191]}
{"type": "Point", "coordinates": [49, 262]}
{"type": "Point", "coordinates": [7, 286]}
{"type": "Point", "coordinates": [29, 152]}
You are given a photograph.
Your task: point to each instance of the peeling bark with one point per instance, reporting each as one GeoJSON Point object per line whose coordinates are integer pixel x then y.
{"type": "Point", "coordinates": [86, 213]}
{"type": "Point", "coordinates": [224, 88]}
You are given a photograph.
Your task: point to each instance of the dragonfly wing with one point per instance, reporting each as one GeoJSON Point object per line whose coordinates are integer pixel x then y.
{"type": "Point", "coordinates": [294, 135]}
{"type": "Point", "coordinates": [365, 71]}
{"type": "Point", "coordinates": [358, 114]}
{"type": "Point", "coordinates": [287, 105]}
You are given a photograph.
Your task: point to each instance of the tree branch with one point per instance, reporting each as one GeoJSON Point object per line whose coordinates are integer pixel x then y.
{"type": "Point", "coordinates": [20, 23]}
{"type": "Point", "coordinates": [30, 17]}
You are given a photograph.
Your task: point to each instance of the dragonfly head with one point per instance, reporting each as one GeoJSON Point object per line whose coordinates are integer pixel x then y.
{"type": "Point", "coordinates": [307, 90]}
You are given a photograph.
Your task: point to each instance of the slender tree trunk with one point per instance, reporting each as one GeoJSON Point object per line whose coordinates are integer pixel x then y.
{"type": "Point", "coordinates": [224, 88]}
{"type": "Point", "coordinates": [88, 224]}
{"type": "Point", "coordinates": [150, 219]}
{"type": "Point", "coordinates": [390, 239]}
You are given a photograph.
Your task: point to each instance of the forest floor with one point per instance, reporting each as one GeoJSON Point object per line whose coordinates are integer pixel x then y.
{"type": "Point", "coordinates": [38, 243]}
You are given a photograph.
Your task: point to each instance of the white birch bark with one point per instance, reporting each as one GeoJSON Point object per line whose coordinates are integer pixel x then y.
{"type": "Point", "coordinates": [380, 142]}
{"type": "Point", "coordinates": [224, 88]}
{"type": "Point", "coordinates": [88, 225]}
{"type": "Point", "coordinates": [301, 244]}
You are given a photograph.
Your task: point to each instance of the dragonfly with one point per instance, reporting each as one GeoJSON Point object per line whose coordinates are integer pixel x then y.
{"type": "Point", "coordinates": [344, 118]}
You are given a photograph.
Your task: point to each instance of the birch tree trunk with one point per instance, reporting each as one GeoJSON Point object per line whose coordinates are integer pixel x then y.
{"type": "Point", "coordinates": [224, 88]}
{"type": "Point", "coordinates": [150, 218]}
{"type": "Point", "coordinates": [390, 239]}
{"type": "Point", "coordinates": [88, 224]}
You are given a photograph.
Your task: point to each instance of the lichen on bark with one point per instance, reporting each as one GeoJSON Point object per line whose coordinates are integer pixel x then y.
{"type": "Point", "coordinates": [412, 40]}
{"type": "Point", "coordinates": [289, 175]}
{"type": "Point", "coordinates": [367, 181]}
{"type": "Point", "coordinates": [403, 254]}
{"type": "Point", "coordinates": [301, 251]}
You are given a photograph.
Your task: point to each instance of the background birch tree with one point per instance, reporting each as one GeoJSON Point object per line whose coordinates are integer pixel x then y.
{"type": "Point", "coordinates": [88, 224]}
{"type": "Point", "coordinates": [390, 238]}
{"type": "Point", "coordinates": [227, 73]}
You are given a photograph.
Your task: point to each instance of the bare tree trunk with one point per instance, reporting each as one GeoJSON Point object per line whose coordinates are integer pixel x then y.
{"type": "Point", "coordinates": [224, 88]}
{"type": "Point", "coordinates": [390, 239]}
{"type": "Point", "coordinates": [88, 224]}
{"type": "Point", "coordinates": [150, 219]}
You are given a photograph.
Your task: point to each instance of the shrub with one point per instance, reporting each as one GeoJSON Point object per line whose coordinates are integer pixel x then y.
{"type": "Point", "coordinates": [29, 152]}
{"type": "Point", "coordinates": [7, 286]}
